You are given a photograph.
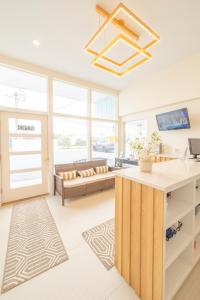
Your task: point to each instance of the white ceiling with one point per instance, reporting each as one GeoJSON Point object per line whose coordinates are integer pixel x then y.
{"type": "Point", "coordinates": [64, 26]}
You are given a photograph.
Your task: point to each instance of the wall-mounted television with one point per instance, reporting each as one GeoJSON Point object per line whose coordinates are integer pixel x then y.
{"type": "Point", "coordinates": [176, 119]}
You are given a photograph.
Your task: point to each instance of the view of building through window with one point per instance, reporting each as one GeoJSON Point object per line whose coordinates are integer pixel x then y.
{"type": "Point", "coordinates": [84, 136]}
{"type": "Point", "coordinates": [134, 129]}
{"type": "Point", "coordinates": [70, 140]}
{"type": "Point", "coordinates": [103, 140]}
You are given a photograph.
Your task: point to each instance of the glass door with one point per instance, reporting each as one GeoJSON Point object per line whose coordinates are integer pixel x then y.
{"type": "Point", "coordinates": [24, 156]}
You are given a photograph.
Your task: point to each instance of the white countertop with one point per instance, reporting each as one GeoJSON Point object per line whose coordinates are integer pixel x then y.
{"type": "Point", "coordinates": [166, 176]}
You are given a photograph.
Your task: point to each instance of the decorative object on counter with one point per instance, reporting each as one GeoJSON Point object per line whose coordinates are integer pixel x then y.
{"type": "Point", "coordinates": [170, 232]}
{"type": "Point", "coordinates": [145, 165]}
{"type": "Point", "coordinates": [146, 151]}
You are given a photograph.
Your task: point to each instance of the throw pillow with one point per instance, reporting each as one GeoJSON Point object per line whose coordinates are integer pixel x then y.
{"type": "Point", "coordinates": [102, 169]}
{"type": "Point", "coordinates": [86, 173]}
{"type": "Point", "coordinates": [68, 175]}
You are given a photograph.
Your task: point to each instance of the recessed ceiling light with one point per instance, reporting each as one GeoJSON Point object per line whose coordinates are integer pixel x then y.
{"type": "Point", "coordinates": [36, 43]}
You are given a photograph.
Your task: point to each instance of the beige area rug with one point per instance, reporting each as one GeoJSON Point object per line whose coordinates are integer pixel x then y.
{"type": "Point", "coordinates": [34, 244]}
{"type": "Point", "coordinates": [101, 241]}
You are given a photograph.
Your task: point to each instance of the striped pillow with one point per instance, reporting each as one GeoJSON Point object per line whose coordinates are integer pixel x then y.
{"type": "Point", "coordinates": [68, 175]}
{"type": "Point", "coordinates": [102, 169]}
{"type": "Point", "coordinates": [86, 173]}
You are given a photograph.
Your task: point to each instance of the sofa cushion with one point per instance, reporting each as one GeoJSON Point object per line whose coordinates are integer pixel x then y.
{"type": "Point", "coordinates": [86, 180]}
{"type": "Point", "coordinates": [68, 175]}
{"type": "Point", "coordinates": [87, 173]}
{"type": "Point", "coordinates": [101, 169]}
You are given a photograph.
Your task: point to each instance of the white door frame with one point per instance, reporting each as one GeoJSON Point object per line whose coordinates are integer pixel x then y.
{"type": "Point", "coordinates": [13, 194]}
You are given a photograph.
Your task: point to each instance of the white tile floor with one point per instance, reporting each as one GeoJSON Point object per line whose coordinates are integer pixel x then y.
{"type": "Point", "coordinates": [82, 277]}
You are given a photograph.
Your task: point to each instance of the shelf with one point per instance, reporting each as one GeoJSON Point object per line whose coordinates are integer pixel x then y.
{"type": "Point", "coordinates": [175, 276]}
{"type": "Point", "coordinates": [181, 256]}
{"type": "Point", "coordinates": [180, 204]}
{"type": "Point", "coordinates": [179, 242]}
{"type": "Point", "coordinates": [176, 245]}
{"type": "Point", "coordinates": [175, 211]}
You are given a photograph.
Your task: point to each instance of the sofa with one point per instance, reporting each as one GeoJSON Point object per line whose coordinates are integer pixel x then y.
{"type": "Point", "coordinates": [82, 186]}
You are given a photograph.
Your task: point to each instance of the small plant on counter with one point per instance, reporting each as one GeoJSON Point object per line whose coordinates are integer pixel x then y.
{"type": "Point", "coordinates": [145, 151]}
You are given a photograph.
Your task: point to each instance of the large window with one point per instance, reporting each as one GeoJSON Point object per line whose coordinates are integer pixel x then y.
{"type": "Point", "coordinates": [23, 90]}
{"type": "Point", "coordinates": [69, 99]}
{"type": "Point", "coordinates": [70, 140]}
{"type": "Point", "coordinates": [103, 140]}
{"type": "Point", "coordinates": [103, 106]}
{"type": "Point", "coordinates": [87, 128]}
{"type": "Point", "coordinates": [134, 129]}
{"type": "Point", "coordinates": [82, 122]}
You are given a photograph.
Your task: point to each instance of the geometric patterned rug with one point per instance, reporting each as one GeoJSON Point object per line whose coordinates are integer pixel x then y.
{"type": "Point", "coordinates": [101, 241]}
{"type": "Point", "coordinates": [34, 244]}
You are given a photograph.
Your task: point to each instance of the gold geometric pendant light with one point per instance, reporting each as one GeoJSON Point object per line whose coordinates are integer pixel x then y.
{"type": "Point", "coordinates": [131, 40]}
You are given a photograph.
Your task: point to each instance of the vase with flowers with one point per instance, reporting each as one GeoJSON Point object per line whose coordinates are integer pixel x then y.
{"type": "Point", "coordinates": [146, 151]}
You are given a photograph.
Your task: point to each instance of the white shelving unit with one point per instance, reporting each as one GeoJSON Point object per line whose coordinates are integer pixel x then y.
{"type": "Point", "coordinates": [178, 272]}
{"type": "Point", "coordinates": [181, 240]}
{"type": "Point", "coordinates": [182, 251]}
{"type": "Point", "coordinates": [177, 184]}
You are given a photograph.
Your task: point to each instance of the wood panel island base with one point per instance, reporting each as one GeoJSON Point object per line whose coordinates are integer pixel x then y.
{"type": "Point", "coordinates": [146, 205]}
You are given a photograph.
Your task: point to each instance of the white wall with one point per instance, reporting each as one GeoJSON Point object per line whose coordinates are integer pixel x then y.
{"type": "Point", "coordinates": [177, 83]}
{"type": "Point", "coordinates": [176, 87]}
{"type": "Point", "coordinates": [174, 139]}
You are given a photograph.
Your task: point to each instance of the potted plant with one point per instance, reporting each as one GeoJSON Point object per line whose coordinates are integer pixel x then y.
{"type": "Point", "coordinates": [146, 151]}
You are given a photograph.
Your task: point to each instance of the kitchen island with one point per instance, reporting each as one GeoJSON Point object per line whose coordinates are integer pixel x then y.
{"type": "Point", "coordinates": [146, 205]}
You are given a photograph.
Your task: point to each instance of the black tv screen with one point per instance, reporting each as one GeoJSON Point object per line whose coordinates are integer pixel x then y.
{"type": "Point", "coordinates": [177, 119]}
